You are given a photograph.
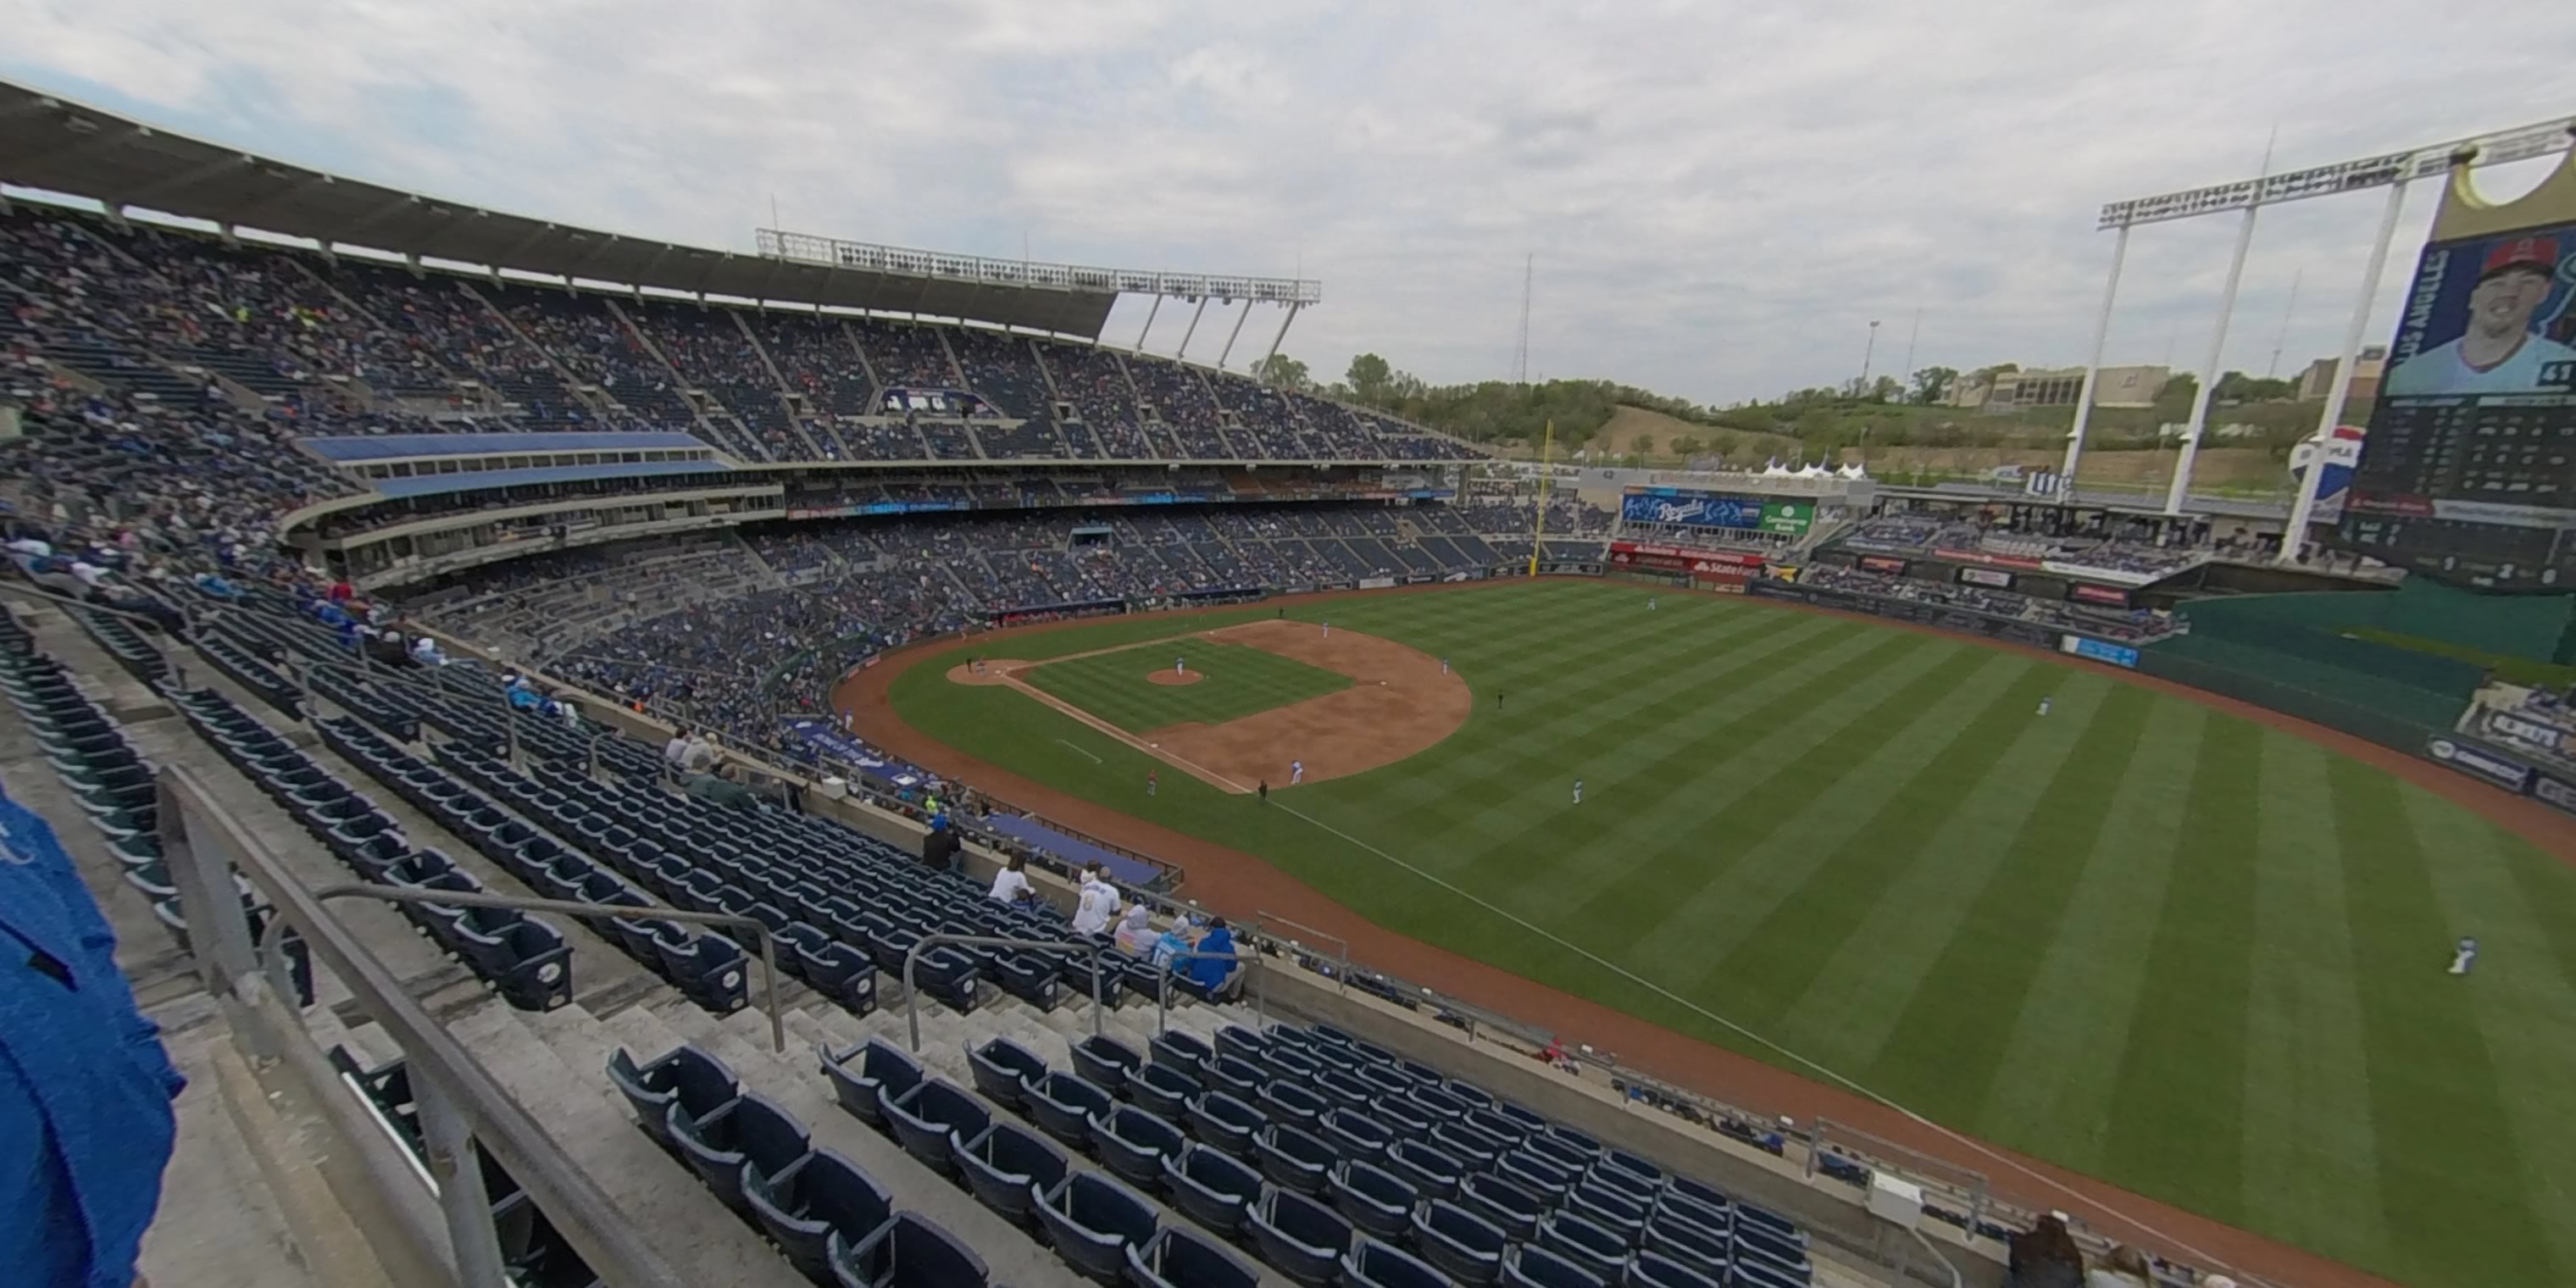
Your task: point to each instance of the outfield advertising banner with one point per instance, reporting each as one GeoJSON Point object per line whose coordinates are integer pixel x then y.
{"type": "Point", "coordinates": [2115, 654]}
{"type": "Point", "coordinates": [1882, 565]}
{"type": "Point", "coordinates": [2479, 762]}
{"type": "Point", "coordinates": [2556, 792]}
{"type": "Point", "coordinates": [1692, 509]}
{"type": "Point", "coordinates": [1995, 577]}
{"type": "Point", "coordinates": [1788, 518]}
{"type": "Point", "coordinates": [1956, 555]}
{"type": "Point", "coordinates": [2099, 595]}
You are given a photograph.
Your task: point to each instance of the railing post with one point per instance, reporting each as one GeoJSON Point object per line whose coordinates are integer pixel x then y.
{"type": "Point", "coordinates": [456, 1166]}
{"type": "Point", "coordinates": [218, 926]}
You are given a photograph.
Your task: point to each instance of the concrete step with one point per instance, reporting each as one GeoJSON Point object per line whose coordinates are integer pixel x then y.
{"type": "Point", "coordinates": [659, 1196]}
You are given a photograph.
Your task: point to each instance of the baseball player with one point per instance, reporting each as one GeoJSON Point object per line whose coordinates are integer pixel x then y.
{"type": "Point", "coordinates": [1153, 782]}
{"type": "Point", "coordinates": [1651, 601]}
{"type": "Point", "coordinates": [1296, 772]}
{"type": "Point", "coordinates": [1444, 666]}
{"type": "Point", "coordinates": [2464, 956]}
{"type": "Point", "coordinates": [1328, 630]}
{"type": "Point", "coordinates": [2043, 704]}
{"type": "Point", "coordinates": [1180, 666]}
{"type": "Point", "coordinates": [1578, 791]}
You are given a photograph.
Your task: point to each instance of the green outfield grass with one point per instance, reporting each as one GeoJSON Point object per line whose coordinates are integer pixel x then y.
{"type": "Point", "coordinates": [2151, 942]}
{"type": "Point", "coordinates": [1235, 682]}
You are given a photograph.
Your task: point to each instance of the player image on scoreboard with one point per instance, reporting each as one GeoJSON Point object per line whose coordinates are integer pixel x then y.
{"type": "Point", "coordinates": [2468, 473]}
{"type": "Point", "coordinates": [2488, 317]}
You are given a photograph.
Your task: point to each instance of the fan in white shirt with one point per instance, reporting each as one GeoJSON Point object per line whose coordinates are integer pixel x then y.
{"type": "Point", "coordinates": [1011, 884]}
{"type": "Point", "coordinates": [1099, 903]}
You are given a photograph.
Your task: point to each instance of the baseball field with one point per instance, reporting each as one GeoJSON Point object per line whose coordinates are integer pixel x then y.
{"type": "Point", "coordinates": [2184, 952]}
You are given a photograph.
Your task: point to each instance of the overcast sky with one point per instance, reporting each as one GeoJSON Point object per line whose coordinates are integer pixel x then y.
{"type": "Point", "coordinates": [1720, 196]}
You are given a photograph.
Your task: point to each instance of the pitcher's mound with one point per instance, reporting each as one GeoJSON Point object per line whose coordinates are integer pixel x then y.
{"type": "Point", "coordinates": [997, 670]}
{"type": "Point", "coordinates": [1174, 677]}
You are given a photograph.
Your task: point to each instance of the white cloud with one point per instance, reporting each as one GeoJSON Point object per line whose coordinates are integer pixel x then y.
{"type": "Point", "coordinates": [1720, 197]}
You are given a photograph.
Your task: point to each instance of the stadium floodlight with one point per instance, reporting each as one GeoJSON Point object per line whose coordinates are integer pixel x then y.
{"type": "Point", "coordinates": [2388, 170]}
{"type": "Point", "coordinates": [869, 257]}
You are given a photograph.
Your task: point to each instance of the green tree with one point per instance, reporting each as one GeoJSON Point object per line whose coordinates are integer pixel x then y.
{"type": "Point", "coordinates": [1280, 371]}
{"type": "Point", "coordinates": [1932, 384]}
{"type": "Point", "coordinates": [1368, 377]}
{"type": "Point", "coordinates": [1688, 445]}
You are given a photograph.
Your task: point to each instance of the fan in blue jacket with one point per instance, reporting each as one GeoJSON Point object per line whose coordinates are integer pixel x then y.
{"type": "Point", "coordinates": [85, 1088]}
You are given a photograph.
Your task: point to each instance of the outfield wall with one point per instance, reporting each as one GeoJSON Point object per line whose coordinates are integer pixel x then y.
{"type": "Point", "coordinates": [2410, 702]}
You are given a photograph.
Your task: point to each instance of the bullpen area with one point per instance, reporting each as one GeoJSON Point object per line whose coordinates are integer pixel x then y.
{"type": "Point", "coordinates": [2194, 955]}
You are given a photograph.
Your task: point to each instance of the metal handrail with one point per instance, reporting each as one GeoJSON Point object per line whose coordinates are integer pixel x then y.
{"type": "Point", "coordinates": [202, 843]}
{"type": "Point", "coordinates": [582, 908]}
{"type": "Point", "coordinates": [1263, 921]}
{"type": "Point", "coordinates": [912, 995]}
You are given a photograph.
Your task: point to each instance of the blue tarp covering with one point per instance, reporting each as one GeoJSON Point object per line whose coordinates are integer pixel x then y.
{"type": "Point", "coordinates": [1124, 870]}
{"type": "Point", "coordinates": [477, 480]}
{"type": "Point", "coordinates": [378, 447]}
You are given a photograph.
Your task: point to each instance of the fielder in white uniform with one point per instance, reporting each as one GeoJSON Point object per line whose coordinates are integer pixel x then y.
{"type": "Point", "coordinates": [2464, 956]}
{"type": "Point", "coordinates": [1296, 772]}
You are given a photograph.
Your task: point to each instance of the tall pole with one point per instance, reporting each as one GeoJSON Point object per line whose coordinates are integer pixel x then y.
{"type": "Point", "coordinates": [1149, 323]}
{"type": "Point", "coordinates": [2282, 341]}
{"type": "Point", "coordinates": [1234, 335]}
{"type": "Point", "coordinates": [1282, 337]}
{"type": "Point", "coordinates": [2304, 510]}
{"type": "Point", "coordinates": [1520, 355]}
{"type": "Point", "coordinates": [2092, 368]}
{"type": "Point", "coordinates": [1538, 516]}
{"type": "Point", "coordinates": [1912, 332]}
{"type": "Point", "coordinates": [2209, 369]}
{"type": "Point", "coordinates": [1865, 355]}
{"type": "Point", "coordinates": [1184, 350]}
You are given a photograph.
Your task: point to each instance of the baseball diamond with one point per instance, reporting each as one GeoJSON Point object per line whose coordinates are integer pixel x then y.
{"type": "Point", "coordinates": [2166, 942]}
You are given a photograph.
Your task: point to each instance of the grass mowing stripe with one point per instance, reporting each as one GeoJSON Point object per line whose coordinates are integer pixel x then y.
{"type": "Point", "coordinates": [1726, 760]}
{"type": "Point", "coordinates": [2523, 1005]}
{"type": "Point", "coordinates": [2311, 1159]}
{"type": "Point", "coordinates": [1896, 931]}
{"type": "Point", "coordinates": [1459, 782]}
{"type": "Point", "coordinates": [2450, 1183]}
{"type": "Point", "coordinates": [2175, 1113]}
{"type": "Point", "coordinates": [1993, 954]}
{"type": "Point", "coordinates": [2069, 1040]}
{"type": "Point", "coordinates": [1485, 778]}
{"type": "Point", "coordinates": [1615, 902]}
{"type": "Point", "coordinates": [1773, 967]}
{"type": "Point", "coordinates": [1756, 876]}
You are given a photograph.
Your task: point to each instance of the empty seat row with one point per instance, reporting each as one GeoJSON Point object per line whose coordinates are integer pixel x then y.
{"type": "Point", "coordinates": [525, 960]}
{"type": "Point", "coordinates": [832, 1221]}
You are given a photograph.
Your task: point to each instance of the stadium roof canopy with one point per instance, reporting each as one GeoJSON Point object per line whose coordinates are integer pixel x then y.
{"type": "Point", "coordinates": [61, 146]}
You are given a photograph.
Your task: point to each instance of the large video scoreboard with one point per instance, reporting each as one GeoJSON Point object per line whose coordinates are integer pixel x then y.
{"type": "Point", "coordinates": [2469, 471]}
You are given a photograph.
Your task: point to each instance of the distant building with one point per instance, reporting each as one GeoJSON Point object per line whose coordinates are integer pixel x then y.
{"type": "Point", "coordinates": [2366, 370]}
{"type": "Point", "coordinates": [2008, 391]}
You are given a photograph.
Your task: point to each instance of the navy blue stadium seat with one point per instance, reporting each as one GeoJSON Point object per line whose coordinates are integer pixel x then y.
{"type": "Point", "coordinates": [908, 1252]}
{"type": "Point", "coordinates": [1372, 1264]}
{"type": "Point", "coordinates": [933, 1119]}
{"type": "Point", "coordinates": [869, 1076]}
{"type": "Point", "coordinates": [1000, 1067]}
{"type": "Point", "coordinates": [1376, 1201]}
{"type": "Point", "coordinates": [1429, 1170]}
{"type": "Point", "coordinates": [1225, 1122]}
{"type": "Point", "coordinates": [1162, 1089]}
{"type": "Point", "coordinates": [1514, 1210]}
{"type": "Point", "coordinates": [696, 1083]}
{"type": "Point", "coordinates": [1299, 1237]}
{"type": "Point", "coordinates": [1092, 1221]}
{"type": "Point", "coordinates": [1010, 1169]}
{"type": "Point", "coordinates": [1585, 1244]}
{"type": "Point", "coordinates": [1531, 1266]}
{"type": "Point", "coordinates": [1653, 1269]}
{"type": "Point", "coordinates": [749, 1133]}
{"type": "Point", "coordinates": [1292, 1158]}
{"type": "Point", "coordinates": [802, 1205]}
{"type": "Point", "coordinates": [1063, 1105]}
{"type": "Point", "coordinates": [1459, 1242]}
{"type": "Point", "coordinates": [1133, 1143]}
{"type": "Point", "coordinates": [1211, 1188]}
{"type": "Point", "coordinates": [1178, 1258]}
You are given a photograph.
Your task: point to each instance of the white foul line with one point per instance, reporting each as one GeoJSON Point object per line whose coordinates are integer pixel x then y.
{"type": "Point", "coordinates": [1623, 972]}
{"type": "Point", "coordinates": [1094, 759]}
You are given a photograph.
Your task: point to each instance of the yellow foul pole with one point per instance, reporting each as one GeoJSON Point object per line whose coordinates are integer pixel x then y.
{"type": "Point", "coordinates": [1538, 519]}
